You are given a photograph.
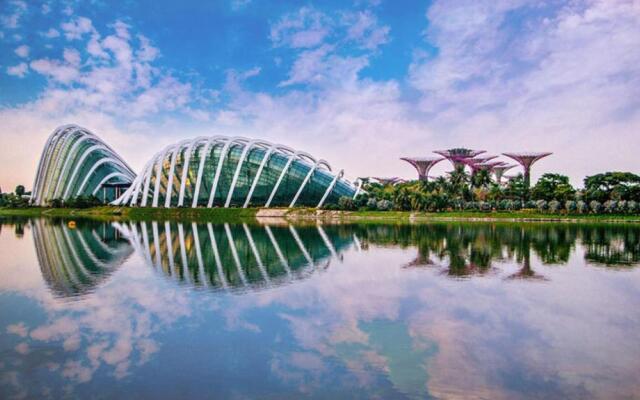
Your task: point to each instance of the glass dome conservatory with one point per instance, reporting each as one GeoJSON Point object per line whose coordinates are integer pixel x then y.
{"type": "Point", "coordinates": [221, 171]}
{"type": "Point", "coordinates": [74, 163]}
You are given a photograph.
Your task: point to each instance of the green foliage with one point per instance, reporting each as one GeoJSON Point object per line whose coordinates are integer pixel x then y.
{"type": "Point", "coordinates": [542, 205]}
{"type": "Point", "coordinates": [19, 191]}
{"type": "Point", "coordinates": [571, 206]}
{"type": "Point", "coordinates": [555, 206]}
{"type": "Point", "coordinates": [582, 207]}
{"type": "Point", "coordinates": [346, 203]}
{"type": "Point", "coordinates": [552, 193]}
{"type": "Point", "coordinates": [612, 186]}
{"type": "Point", "coordinates": [553, 187]}
{"type": "Point", "coordinates": [610, 206]}
{"type": "Point", "coordinates": [517, 189]}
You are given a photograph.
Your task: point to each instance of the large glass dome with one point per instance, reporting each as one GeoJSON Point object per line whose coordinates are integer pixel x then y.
{"type": "Point", "coordinates": [223, 171]}
{"type": "Point", "coordinates": [75, 162]}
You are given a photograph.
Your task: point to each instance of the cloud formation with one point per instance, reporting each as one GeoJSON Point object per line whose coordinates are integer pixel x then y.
{"type": "Point", "coordinates": [502, 76]}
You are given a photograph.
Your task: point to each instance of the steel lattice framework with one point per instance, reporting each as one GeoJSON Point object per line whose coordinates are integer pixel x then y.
{"type": "Point", "coordinates": [423, 165]}
{"type": "Point", "coordinates": [75, 162]}
{"type": "Point", "coordinates": [221, 171]}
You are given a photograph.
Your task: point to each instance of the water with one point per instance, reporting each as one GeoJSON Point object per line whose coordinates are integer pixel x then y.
{"type": "Point", "coordinates": [167, 310]}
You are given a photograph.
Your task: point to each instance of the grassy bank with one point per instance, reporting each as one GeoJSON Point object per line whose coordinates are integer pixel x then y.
{"type": "Point", "coordinates": [136, 213]}
{"type": "Point", "coordinates": [246, 214]}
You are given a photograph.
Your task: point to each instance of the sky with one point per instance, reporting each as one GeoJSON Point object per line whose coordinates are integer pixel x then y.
{"type": "Point", "coordinates": [358, 83]}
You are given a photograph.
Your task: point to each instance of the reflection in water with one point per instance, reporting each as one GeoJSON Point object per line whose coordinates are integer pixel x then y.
{"type": "Point", "coordinates": [74, 261]}
{"type": "Point", "coordinates": [319, 311]}
{"type": "Point", "coordinates": [224, 256]}
{"type": "Point", "coordinates": [465, 250]}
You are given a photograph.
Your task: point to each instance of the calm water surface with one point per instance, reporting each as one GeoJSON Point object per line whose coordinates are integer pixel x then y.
{"type": "Point", "coordinates": [167, 310]}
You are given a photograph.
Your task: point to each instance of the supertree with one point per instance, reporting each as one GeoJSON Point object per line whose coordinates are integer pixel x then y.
{"type": "Point", "coordinates": [388, 181]}
{"type": "Point", "coordinates": [527, 160]}
{"type": "Point", "coordinates": [423, 165]}
{"type": "Point", "coordinates": [478, 163]}
{"type": "Point", "coordinates": [459, 155]}
{"type": "Point", "coordinates": [499, 171]}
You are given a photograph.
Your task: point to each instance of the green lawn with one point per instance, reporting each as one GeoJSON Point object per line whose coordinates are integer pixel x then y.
{"type": "Point", "coordinates": [245, 214]}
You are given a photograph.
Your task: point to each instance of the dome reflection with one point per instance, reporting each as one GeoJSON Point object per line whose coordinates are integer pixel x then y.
{"type": "Point", "coordinates": [74, 261]}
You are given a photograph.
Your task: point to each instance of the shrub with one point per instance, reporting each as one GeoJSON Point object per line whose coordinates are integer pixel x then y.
{"type": "Point", "coordinates": [485, 206]}
{"type": "Point", "coordinates": [384, 205]}
{"type": "Point", "coordinates": [542, 205]}
{"type": "Point", "coordinates": [622, 207]}
{"type": "Point", "coordinates": [372, 204]}
{"type": "Point", "coordinates": [555, 206]}
{"type": "Point", "coordinates": [610, 206]}
{"type": "Point", "coordinates": [361, 200]}
{"type": "Point", "coordinates": [471, 205]}
{"type": "Point", "coordinates": [595, 206]}
{"type": "Point", "coordinates": [530, 204]}
{"type": "Point", "coordinates": [505, 205]}
{"type": "Point", "coordinates": [571, 206]}
{"type": "Point", "coordinates": [517, 205]}
{"type": "Point", "coordinates": [582, 207]}
{"type": "Point", "coordinates": [632, 207]}
{"type": "Point", "coordinates": [346, 203]}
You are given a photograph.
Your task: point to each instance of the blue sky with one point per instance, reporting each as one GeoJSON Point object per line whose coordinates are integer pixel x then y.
{"type": "Point", "coordinates": [358, 83]}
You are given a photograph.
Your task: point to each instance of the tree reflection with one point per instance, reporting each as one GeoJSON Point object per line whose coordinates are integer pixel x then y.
{"type": "Point", "coordinates": [465, 250]}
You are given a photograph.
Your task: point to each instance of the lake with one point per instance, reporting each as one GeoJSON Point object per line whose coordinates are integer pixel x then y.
{"type": "Point", "coordinates": [194, 310]}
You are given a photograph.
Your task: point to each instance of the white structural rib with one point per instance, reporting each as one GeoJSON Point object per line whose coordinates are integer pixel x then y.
{"type": "Point", "coordinates": [86, 154]}
{"type": "Point", "coordinates": [185, 169]}
{"type": "Point", "coordinates": [71, 154]}
{"type": "Point", "coordinates": [303, 184]}
{"type": "Point", "coordinates": [93, 169]}
{"type": "Point", "coordinates": [106, 179]}
{"type": "Point", "coordinates": [264, 161]}
{"type": "Point", "coordinates": [236, 174]}
{"type": "Point", "coordinates": [172, 170]}
{"type": "Point", "coordinates": [223, 156]}
{"type": "Point", "coordinates": [54, 166]}
{"type": "Point", "coordinates": [61, 155]}
{"type": "Point", "coordinates": [330, 188]}
{"type": "Point", "coordinates": [279, 181]}
{"type": "Point", "coordinates": [204, 153]}
{"type": "Point", "coordinates": [156, 189]}
{"type": "Point", "coordinates": [147, 181]}
{"type": "Point", "coordinates": [179, 168]}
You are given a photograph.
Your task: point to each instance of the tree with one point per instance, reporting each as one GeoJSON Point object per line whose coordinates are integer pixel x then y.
{"type": "Point", "coordinates": [553, 187]}
{"type": "Point", "coordinates": [516, 188]}
{"type": "Point", "coordinates": [612, 186]}
{"type": "Point", "coordinates": [481, 179]}
{"type": "Point", "coordinates": [19, 190]}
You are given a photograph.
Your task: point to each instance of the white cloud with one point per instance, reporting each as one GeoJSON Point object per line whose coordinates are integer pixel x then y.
{"type": "Point", "coordinates": [71, 56]}
{"type": "Point", "coordinates": [560, 80]}
{"type": "Point", "coordinates": [22, 51]}
{"type": "Point", "coordinates": [305, 28]}
{"type": "Point", "coordinates": [19, 70]}
{"type": "Point", "coordinates": [58, 71]}
{"type": "Point", "coordinates": [363, 28]}
{"type": "Point", "coordinates": [77, 28]}
{"type": "Point", "coordinates": [12, 20]}
{"type": "Point", "coordinates": [51, 33]}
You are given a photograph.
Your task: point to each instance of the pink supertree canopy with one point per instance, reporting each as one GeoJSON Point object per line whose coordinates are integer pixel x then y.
{"type": "Point", "coordinates": [423, 165]}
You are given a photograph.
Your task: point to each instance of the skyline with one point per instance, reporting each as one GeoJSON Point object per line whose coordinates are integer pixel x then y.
{"type": "Point", "coordinates": [360, 85]}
